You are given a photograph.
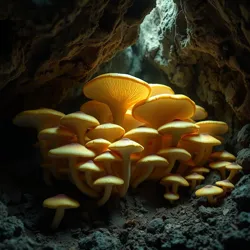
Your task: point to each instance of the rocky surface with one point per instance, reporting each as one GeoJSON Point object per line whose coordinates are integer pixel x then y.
{"type": "Point", "coordinates": [48, 49]}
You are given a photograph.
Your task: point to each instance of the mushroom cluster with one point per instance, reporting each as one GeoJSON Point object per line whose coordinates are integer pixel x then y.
{"type": "Point", "coordinates": [131, 131]}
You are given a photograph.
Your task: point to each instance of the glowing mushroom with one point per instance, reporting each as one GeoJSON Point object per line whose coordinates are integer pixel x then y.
{"type": "Point", "coordinates": [222, 156]}
{"type": "Point", "coordinates": [107, 131]}
{"type": "Point", "coordinates": [160, 109]}
{"type": "Point", "coordinates": [177, 129]}
{"type": "Point", "coordinates": [98, 110]}
{"type": "Point", "coordinates": [72, 152]}
{"type": "Point", "coordinates": [60, 203]}
{"type": "Point", "coordinates": [79, 122]}
{"type": "Point", "coordinates": [213, 128]}
{"type": "Point", "coordinates": [118, 91]}
{"type": "Point", "coordinates": [98, 145]}
{"type": "Point", "coordinates": [200, 113]}
{"type": "Point", "coordinates": [125, 147]}
{"type": "Point", "coordinates": [159, 89]}
{"type": "Point", "coordinates": [210, 192]}
{"type": "Point", "coordinates": [130, 122]}
{"type": "Point", "coordinates": [107, 182]}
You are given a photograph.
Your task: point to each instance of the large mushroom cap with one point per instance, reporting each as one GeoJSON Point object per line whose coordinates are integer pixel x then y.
{"type": "Point", "coordinates": [208, 190]}
{"type": "Point", "coordinates": [204, 139]}
{"type": "Point", "coordinates": [38, 118]}
{"type": "Point", "coordinates": [212, 127]}
{"type": "Point", "coordinates": [160, 109]}
{"type": "Point", "coordinates": [118, 91]}
{"type": "Point", "coordinates": [60, 200]}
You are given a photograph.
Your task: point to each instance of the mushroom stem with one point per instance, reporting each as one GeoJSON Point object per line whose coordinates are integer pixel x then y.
{"type": "Point", "coordinates": [138, 180]}
{"type": "Point", "coordinates": [199, 156]}
{"type": "Point", "coordinates": [207, 153]}
{"type": "Point", "coordinates": [211, 199]}
{"type": "Point", "coordinates": [59, 214]}
{"type": "Point", "coordinates": [182, 168]}
{"type": "Point", "coordinates": [193, 185]}
{"type": "Point", "coordinates": [175, 139]}
{"type": "Point", "coordinates": [106, 195]}
{"type": "Point", "coordinates": [118, 115]}
{"type": "Point", "coordinates": [80, 185]}
{"type": "Point", "coordinates": [169, 168]}
{"type": "Point", "coordinates": [89, 180]}
{"type": "Point", "coordinates": [175, 188]}
{"type": "Point", "coordinates": [107, 166]}
{"type": "Point", "coordinates": [126, 173]}
{"type": "Point", "coordinates": [232, 174]}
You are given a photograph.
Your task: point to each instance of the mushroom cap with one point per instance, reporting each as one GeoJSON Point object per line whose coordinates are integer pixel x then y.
{"type": "Point", "coordinates": [71, 150]}
{"type": "Point", "coordinates": [158, 89]}
{"type": "Point", "coordinates": [99, 144]}
{"type": "Point", "coordinates": [79, 120]}
{"type": "Point", "coordinates": [223, 156]}
{"type": "Point", "coordinates": [137, 134]}
{"type": "Point", "coordinates": [38, 118]}
{"type": "Point", "coordinates": [107, 131]}
{"type": "Point", "coordinates": [194, 176]}
{"type": "Point", "coordinates": [174, 178]}
{"type": "Point", "coordinates": [171, 196]}
{"type": "Point", "coordinates": [182, 127]}
{"type": "Point", "coordinates": [233, 166]}
{"type": "Point", "coordinates": [160, 109]}
{"type": "Point", "coordinates": [130, 122]}
{"type": "Point", "coordinates": [60, 201]}
{"type": "Point", "coordinates": [155, 160]}
{"type": "Point", "coordinates": [88, 166]}
{"type": "Point", "coordinates": [108, 180]}
{"type": "Point", "coordinates": [126, 146]}
{"type": "Point", "coordinates": [178, 154]}
{"type": "Point", "coordinates": [208, 190]}
{"type": "Point", "coordinates": [204, 139]}
{"type": "Point", "coordinates": [219, 164]}
{"type": "Point", "coordinates": [99, 110]}
{"type": "Point", "coordinates": [107, 156]}
{"type": "Point", "coordinates": [213, 127]}
{"type": "Point", "coordinates": [200, 113]}
{"type": "Point", "coordinates": [56, 133]}
{"type": "Point", "coordinates": [225, 184]}
{"type": "Point", "coordinates": [117, 90]}
{"type": "Point", "coordinates": [200, 170]}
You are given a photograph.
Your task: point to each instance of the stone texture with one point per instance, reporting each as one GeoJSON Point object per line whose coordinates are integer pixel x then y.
{"type": "Point", "coordinates": [50, 48]}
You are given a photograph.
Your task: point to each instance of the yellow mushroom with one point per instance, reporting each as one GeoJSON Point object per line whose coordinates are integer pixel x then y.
{"type": "Point", "coordinates": [220, 166]}
{"type": "Point", "coordinates": [200, 113]}
{"type": "Point", "coordinates": [234, 168]}
{"type": "Point", "coordinates": [210, 192]}
{"type": "Point", "coordinates": [195, 179]}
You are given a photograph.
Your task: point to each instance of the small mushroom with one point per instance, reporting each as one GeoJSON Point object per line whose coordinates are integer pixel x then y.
{"type": "Point", "coordinates": [98, 145]}
{"type": "Point", "coordinates": [220, 166]}
{"type": "Point", "coordinates": [107, 182]}
{"type": "Point", "coordinates": [171, 197]}
{"type": "Point", "coordinates": [210, 192]}
{"type": "Point", "coordinates": [200, 113]}
{"type": "Point", "coordinates": [60, 203]}
{"type": "Point", "coordinates": [226, 185]}
{"type": "Point", "coordinates": [234, 168]}
{"type": "Point", "coordinates": [159, 89]}
{"type": "Point", "coordinates": [222, 156]}
{"type": "Point", "coordinates": [195, 179]}
{"type": "Point", "coordinates": [200, 170]}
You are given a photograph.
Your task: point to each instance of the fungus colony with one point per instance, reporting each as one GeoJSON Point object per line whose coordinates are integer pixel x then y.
{"type": "Point", "coordinates": [130, 131]}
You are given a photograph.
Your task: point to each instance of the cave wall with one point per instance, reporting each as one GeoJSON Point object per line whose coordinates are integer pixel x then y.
{"type": "Point", "coordinates": [49, 48]}
{"type": "Point", "coordinates": [199, 48]}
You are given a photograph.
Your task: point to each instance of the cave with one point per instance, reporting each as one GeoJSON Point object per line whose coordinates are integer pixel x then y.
{"type": "Point", "coordinates": [52, 53]}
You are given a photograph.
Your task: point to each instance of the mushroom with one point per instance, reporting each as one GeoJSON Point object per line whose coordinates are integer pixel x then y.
{"type": "Point", "coordinates": [60, 203]}
{"type": "Point", "coordinates": [200, 170]}
{"type": "Point", "coordinates": [177, 129]}
{"type": "Point", "coordinates": [98, 145]}
{"type": "Point", "coordinates": [184, 165]}
{"type": "Point", "coordinates": [149, 163]}
{"type": "Point", "coordinates": [175, 180]}
{"type": "Point", "coordinates": [142, 135]}
{"type": "Point", "coordinates": [125, 147]}
{"type": "Point", "coordinates": [38, 118]}
{"type": "Point", "coordinates": [234, 168]}
{"type": "Point", "coordinates": [220, 166]}
{"type": "Point", "coordinates": [107, 158]}
{"type": "Point", "coordinates": [98, 110]}
{"type": "Point", "coordinates": [213, 128]}
{"type": "Point", "coordinates": [118, 91]}
{"type": "Point", "coordinates": [72, 152]}
{"type": "Point", "coordinates": [200, 113]}
{"type": "Point", "coordinates": [222, 156]}
{"type": "Point", "coordinates": [226, 185]}
{"type": "Point", "coordinates": [160, 109]}
{"type": "Point", "coordinates": [195, 179]}
{"type": "Point", "coordinates": [89, 168]}
{"type": "Point", "coordinates": [171, 197]}
{"type": "Point", "coordinates": [107, 131]}
{"type": "Point", "coordinates": [210, 192]}
{"type": "Point", "coordinates": [159, 89]}
{"type": "Point", "coordinates": [206, 143]}
{"type": "Point", "coordinates": [173, 155]}
{"type": "Point", "coordinates": [107, 182]}
{"type": "Point", "coordinates": [130, 122]}
{"type": "Point", "coordinates": [79, 122]}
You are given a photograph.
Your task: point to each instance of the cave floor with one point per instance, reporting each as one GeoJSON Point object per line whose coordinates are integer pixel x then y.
{"type": "Point", "coordinates": [141, 220]}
